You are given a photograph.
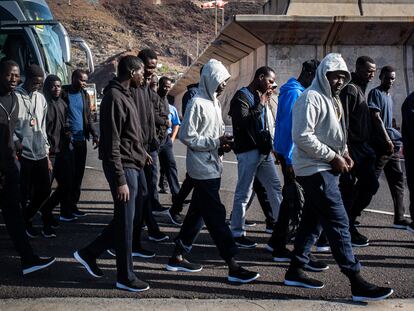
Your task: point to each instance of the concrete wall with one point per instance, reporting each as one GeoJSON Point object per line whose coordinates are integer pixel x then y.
{"type": "Point", "coordinates": [339, 7]}
{"type": "Point", "coordinates": [287, 60]}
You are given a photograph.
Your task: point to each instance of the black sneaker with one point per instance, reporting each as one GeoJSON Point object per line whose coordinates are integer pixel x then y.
{"type": "Point", "coordinates": [111, 252]}
{"type": "Point", "coordinates": [158, 209]}
{"type": "Point", "coordinates": [174, 264]}
{"type": "Point", "coordinates": [32, 232]}
{"type": "Point", "coordinates": [410, 227]}
{"type": "Point", "coordinates": [77, 213]}
{"type": "Point", "coordinates": [297, 277]}
{"type": "Point", "coordinates": [249, 223]}
{"type": "Point", "coordinates": [54, 224]}
{"type": "Point", "coordinates": [89, 263]}
{"type": "Point", "coordinates": [134, 286]}
{"type": "Point", "coordinates": [175, 218]}
{"type": "Point", "coordinates": [365, 291]}
{"type": "Point", "coordinates": [402, 224]}
{"type": "Point", "coordinates": [358, 240]}
{"type": "Point", "coordinates": [158, 237]}
{"type": "Point", "coordinates": [269, 248]}
{"type": "Point", "coordinates": [67, 218]}
{"type": "Point", "coordinates": [143, 253]}
{"type": "Point", "coordinates": [269, 228]}
{"type": "Point", "coordinates": [37, 264]}
{"type": "Point", "coordinates": [282, 255]}
{"type": "Point", "coordinates": [242, 275]}
{"type": "Point", "coordinates": [49, 232]}
{"type": "Point", "coordinates": [244, 242]}
{"type": "Point", "coordinates": [316, 265]}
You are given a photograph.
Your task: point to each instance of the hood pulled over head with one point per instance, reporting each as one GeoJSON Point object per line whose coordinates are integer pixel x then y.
{"type": "Point", "coordinates": [213, 74]}
{"type": "Point", "coordinates": [331, 62]}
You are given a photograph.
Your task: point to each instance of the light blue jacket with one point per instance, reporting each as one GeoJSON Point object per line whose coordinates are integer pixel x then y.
{"type": "Point", "coordinates": [289, 93]}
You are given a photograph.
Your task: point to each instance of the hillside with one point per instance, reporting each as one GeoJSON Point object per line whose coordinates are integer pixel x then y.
{"type": "Point", "coordinates": [122, 26]}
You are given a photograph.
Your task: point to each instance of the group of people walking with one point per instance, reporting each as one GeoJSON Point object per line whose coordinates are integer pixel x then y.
{"type": "Point", "coordinates": [331, 139]}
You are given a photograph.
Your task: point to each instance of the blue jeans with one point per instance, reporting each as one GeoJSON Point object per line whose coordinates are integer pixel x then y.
{"type": "Point", "coordinates": [118, 233]}
{"type": "Point", "coordinates": [252, 164]}
{"type": "Point", "coordinates": [324, 209]}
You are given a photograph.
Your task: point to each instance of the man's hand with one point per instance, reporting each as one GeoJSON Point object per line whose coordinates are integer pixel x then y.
{"type": "Point", "coordinates": [265, 97]}
{"type": "Point", "coordinates": [49, 165]}
{"type": "Point", "coordinates": [123, 193]}
{"type": "Point", "coordinates": [226, 140]}
{"type": "Point", "coordinates": [148, 159]}
{"type": "Point", "coordinates": [19, 147]}
{"type": "Point", "coordinates": [390, 147]}
{"type": "Point", "coordinates": [95, 142]}
{"type": "Point", "coordinates": [339, 164]}
{"type": "Point", "coordinates": [349, 161]}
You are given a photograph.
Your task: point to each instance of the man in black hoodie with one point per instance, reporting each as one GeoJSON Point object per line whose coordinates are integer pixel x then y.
{"type": "Point", "coordinates": [357, 196]}
{"type": "Point", "coordinates": [9, 174]}
{"type": "Point", "coordinates": [123, 156]}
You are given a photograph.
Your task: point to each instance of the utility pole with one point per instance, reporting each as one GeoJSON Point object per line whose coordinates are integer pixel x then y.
{"type": "Point", "coordinates": [215, 21]}
{"type": "Point", "coordinates": [198, 44]}
{"type": "Point", "coordinates": [222, 17]}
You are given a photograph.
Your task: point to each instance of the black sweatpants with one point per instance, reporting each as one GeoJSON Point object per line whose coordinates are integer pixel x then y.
{"type": "Point", "coordinates": [12, 215]}
{"type": "Point", "coordinates": [206, 207]}
{"type": "Point", "coordinates": [409, 172]}
{"type": "Point", "coordinates": [35, 189]}
{"type": "Point", "coordinates": [391, 165]}
{"type": "Point", "coordinates": [79, 152]}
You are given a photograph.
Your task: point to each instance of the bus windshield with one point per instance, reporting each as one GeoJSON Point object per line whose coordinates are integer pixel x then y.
{"type": "Point", "coordinates": [52, 53]}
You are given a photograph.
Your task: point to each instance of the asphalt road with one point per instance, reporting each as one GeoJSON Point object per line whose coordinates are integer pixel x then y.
{"type": "Point", "coordinates": [388, 261]}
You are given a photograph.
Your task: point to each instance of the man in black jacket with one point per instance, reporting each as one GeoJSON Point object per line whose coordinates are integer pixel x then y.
{"type": "Point", "coordinates": [60, 153]}
{"type": "Point", "coordinates": [149, 58]}
{"type": "Point", "coordinates": [407, 131]}
{"type": "Point", "coordinates": [81, 127]}
{"type": "Point", "coordinates": [254, 158]}
{"type": "Point", "coordinates": [123, 156]}
{"type": "Point", "coordinates": [9, 174]}
{"type": "Point", "coordinates": [357, 196]}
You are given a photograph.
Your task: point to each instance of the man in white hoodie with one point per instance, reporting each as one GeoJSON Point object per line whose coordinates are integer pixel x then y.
{"type": "Point", "coordinates": [202, 131]}
{"type": "Point", "coordinates": [320, 156]}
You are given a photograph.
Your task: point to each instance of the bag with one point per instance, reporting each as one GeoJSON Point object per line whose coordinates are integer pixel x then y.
{"type": "Point", "coordinates": [264, 142]}
{"type": "Point", "coordinates": [293, 194]}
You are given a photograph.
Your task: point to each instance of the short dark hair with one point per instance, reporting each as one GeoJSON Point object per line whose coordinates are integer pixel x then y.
{"type": "Point", "coordinates": [7, 65]}
{"type": "Point", "coordinates": [362, 60]}
{"type": "Point", "coordinates": [163, 80]}
{"type": "Point", "coordinates": [310, 65]}
{"type": "Point", "coordinates": [32, 71]}
{"type": "Point", "coordinates": [77, 73]}
{"type": "Point", "coordinates": [386, 69]}
{"type": "Point", "coordinates": [128, 63]}
{"type": "Point", "coordinates": [147, 54]}
{"type": "Point", "coordinates": [264, 70]}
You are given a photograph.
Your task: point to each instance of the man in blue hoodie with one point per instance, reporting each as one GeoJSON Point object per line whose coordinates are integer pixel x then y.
{"type": "Point", "coordinates": [283, 144]}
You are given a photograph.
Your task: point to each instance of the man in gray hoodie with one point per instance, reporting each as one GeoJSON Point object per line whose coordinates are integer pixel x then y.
{"type": "Point", "coordinates": [202, 131]}
{"type": "Point", "coordinates": [320, 156]}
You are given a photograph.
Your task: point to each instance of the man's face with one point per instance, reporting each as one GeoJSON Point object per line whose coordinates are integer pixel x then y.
{"type": "Point", "coordinates": [266, 82]}
{"type": "Point", "coordinates": [387, 80]}
{"type": "Point", "coordinates": [150, 68]}
{"type": "Point", "coordinates": [35, 84]}
{"type": "Point", "coordinates": [221, 87]}
{"type": "Point", "coordinates": [137, 76]}
{"type": "Point", "coordinates": [367, 72]}
{"type": "Point", "coordinates": [10, 79]}
{"type": "Point", "coordinates": [336, 81]}
{"type": "Point", "coordinates": [79, 82]}
{"type": "Point", "coordinates": [56, 89]}
{"type": "Point", "coordinates": [309, 76]}
{"type": "Point", "coordinates": [154, 83]}
{"type": "Point", "coordinates": [165, 88]}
